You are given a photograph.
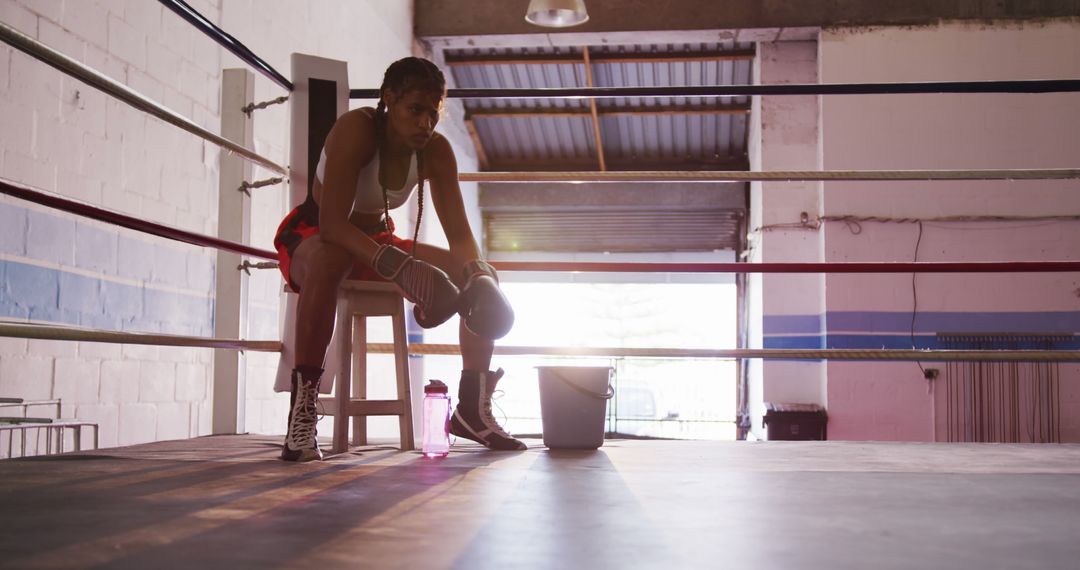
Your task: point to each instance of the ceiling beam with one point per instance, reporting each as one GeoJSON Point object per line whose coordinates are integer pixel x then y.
{"type": "Point", "coordinates": [507, 17]}
{"type": "Point", "coordinates": [481, 156]}
{"type": "Point", "coordinates": [575, 59]}
{"type": "Point", "coordinates": [597, 139]}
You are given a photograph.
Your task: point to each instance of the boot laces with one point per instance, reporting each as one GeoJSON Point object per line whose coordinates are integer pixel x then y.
{"type": "Point", "coordinates": [304, 418]}
{"type": "Point", "coordinates": [486, 413]}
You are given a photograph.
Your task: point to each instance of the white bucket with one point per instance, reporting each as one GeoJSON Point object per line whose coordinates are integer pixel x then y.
{"type": "Point", "coordinates": [573, 403]}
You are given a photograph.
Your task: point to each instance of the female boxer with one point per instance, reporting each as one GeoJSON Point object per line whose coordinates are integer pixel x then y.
{"type": "Point", "coordinates": [372, 161]}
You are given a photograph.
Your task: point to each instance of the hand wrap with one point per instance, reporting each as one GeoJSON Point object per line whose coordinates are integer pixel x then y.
{"type": "Point", "coordinates": [484, 309]}
{"type": "Point", "coordinates": [427, 286]}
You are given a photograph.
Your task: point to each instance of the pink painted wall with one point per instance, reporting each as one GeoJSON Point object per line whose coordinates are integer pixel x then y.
{"type": "Point", "coordinates": [785, 137]}
{"type": "Point", "coordinates": [892, 401]}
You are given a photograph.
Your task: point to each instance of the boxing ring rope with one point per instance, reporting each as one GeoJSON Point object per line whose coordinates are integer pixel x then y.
{"type": "Point", "coordinates": [100, 214]}
{"type": "Point", "coordinates": [53, 332]}
{"type": "Point", "coordinates": [92, 212]}
{"type": "Point", "coordinates": [926, 355]}
{"type": "Point", "coordinates": [92, 77]}
{"type": "Point", "coordinates": [924, 87]}
{"type": "Point", "coordinates": [193, 17]}
{"type": "Point", "coordinates": [775, 176]}
{"type": "Point", "coordinates": [57, 332]}
{"type": "Point", "coordinates": [787, 267]}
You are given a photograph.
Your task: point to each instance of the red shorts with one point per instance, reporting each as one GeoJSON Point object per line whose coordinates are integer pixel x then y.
{"type": "Point", "coordinates": [303, 222]}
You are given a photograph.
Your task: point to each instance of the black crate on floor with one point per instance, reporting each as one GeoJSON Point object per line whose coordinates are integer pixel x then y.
{"type": "Point", "coordinates": [795, 421]}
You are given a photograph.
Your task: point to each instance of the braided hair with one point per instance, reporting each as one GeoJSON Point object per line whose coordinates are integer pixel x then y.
{"type": "Point", "coordinates": [407, 74]}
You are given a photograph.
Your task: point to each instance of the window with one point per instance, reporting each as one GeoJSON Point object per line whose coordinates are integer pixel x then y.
{"type": "Point", "coordinates": [655, 397]}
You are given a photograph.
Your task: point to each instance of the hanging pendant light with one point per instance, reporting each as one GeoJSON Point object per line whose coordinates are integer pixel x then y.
{"type": "Point", "coordinates": [556, 13]}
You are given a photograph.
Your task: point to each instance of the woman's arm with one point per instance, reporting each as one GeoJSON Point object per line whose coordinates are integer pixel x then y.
{"type": "Point", "coordinates": [484, 309]}
{"type": "Point", "coordinates": [440, 167]}
{"type": "Point", "coordinates": [349, 147]}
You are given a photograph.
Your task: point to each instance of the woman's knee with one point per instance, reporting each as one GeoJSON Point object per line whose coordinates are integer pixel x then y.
{"type": "Point", "coordinates": [321, 264]}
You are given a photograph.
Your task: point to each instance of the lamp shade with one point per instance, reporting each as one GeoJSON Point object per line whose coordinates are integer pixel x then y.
{"type": "Point", "coordinates": [556, 13]}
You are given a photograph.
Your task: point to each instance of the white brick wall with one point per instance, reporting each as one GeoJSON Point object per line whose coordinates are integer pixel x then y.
{"type": "Point", "coordinates": [126, 42]}
{"type": "Point", "coordinates": [29, 377]}
{"type": "Point", "coordinates": [173, 421]}
{"type": "Point", "coordinates": [17, 15]}
{"type": "Point", "coordinates": [89, 21]}
{"type": "Point", "coordinates": [107, 416]}
{"type": "Point", "coordinates": [100, 350]}
{"type": "Point", "coordinates": [137, 424]}
{"type": "Point", "coordinates": [191, 382]}
{"type": "Point", "coordinates": [5, 67]}
{"type": "Point", "coordinates": [77, 381]}
{"type": "Point", "coordinates": [49, 10]}
{"type": "Point", "coordinates": [51, 348]}
{"type": "Point", "coordinates": [120, 380]}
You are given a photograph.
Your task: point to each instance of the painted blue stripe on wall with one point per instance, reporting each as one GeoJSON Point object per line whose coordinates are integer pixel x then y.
{"type": "Point", "coordinates": [64, 297]}
{"type": "Point", "coordinates": [53, 295]}
{"type": "Point", "coordinates": [13, 238]}
{"type": "Point", "coordinates": [794, 342]}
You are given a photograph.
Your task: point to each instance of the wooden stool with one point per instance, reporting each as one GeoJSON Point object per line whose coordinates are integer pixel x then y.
{"type": "Point", "coordinates": [358, 300]}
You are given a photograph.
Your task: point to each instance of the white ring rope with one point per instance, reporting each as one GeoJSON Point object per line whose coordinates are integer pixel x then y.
{"type": "Point", "coordinates": [56, 332]}
{"type": "Point", "coordinates": [770, 353]}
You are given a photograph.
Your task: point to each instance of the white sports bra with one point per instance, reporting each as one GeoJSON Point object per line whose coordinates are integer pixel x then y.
{"type": "Point", "coordinates": [369, 198]}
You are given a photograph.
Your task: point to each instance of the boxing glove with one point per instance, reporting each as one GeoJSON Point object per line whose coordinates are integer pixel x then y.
{"type": "Point", "coordinates": [484, 309]}
{"type": "Point", "coordinates": [429, 288]}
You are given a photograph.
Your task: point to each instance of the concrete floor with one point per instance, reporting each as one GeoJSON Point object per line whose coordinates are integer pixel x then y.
{"type": "Point", "coordinates": [227, 502]}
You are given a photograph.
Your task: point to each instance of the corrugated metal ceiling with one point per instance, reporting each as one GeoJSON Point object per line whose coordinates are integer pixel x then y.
{"type": "Point", "coordinates": [657, 133]}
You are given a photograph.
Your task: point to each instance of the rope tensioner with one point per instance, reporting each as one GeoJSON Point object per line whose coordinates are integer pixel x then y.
{"type": "Point", "coordinates": [247, 266]}
{"type": "Point", "coordinates": [245, 186]}
{"type": "Point", "coordinates": [249, 108]}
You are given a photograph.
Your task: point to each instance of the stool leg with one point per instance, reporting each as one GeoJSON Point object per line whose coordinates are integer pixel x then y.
{"type": "Point", "coordinates": [404, 390]}
{"type": "Point", "coordinates": [341, 384]}
{"type": "Point", "coordinates": [360, 376]}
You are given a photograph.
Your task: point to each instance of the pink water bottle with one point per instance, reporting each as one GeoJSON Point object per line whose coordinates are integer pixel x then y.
{"type": "Point", "coordinates": [436, 422]}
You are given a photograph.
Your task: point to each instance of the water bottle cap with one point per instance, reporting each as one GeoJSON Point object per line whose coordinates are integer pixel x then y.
{"type": "Point", "coordinates": [435, 387]}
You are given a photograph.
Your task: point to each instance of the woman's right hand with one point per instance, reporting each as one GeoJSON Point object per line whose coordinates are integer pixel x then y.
{"type": "Point", "coordinates": [427, 286]}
